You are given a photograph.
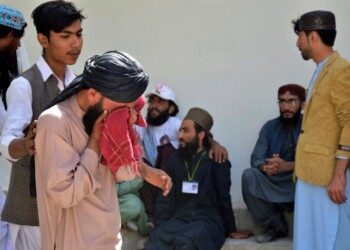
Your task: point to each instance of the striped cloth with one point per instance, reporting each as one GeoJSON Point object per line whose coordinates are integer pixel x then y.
{"type": "Point", "coordinates": [118, 140]}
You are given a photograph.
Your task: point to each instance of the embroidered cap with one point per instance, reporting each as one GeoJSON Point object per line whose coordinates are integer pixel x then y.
{"type": "Point", "coordinates": [201, 117]}
{"type": "Point", "coordinates": [316, 20]}
{"type": "Point", "coordinates": [11, 17]}
{"type": "Point", "coordinates": [163, 92]}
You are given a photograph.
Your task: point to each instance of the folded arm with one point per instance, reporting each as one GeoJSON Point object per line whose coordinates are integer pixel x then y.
{"type": "Point", "coordinates": [67, 171]}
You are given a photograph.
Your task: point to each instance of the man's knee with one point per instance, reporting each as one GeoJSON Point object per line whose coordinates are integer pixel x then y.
{"type": "Point", "coordinates": [248, 176]}
{"type": "Point", "coordinates": [183, 243]}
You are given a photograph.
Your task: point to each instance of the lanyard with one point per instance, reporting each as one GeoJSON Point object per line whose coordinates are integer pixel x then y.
{"type": "Point", "coordinates": [190, 177]}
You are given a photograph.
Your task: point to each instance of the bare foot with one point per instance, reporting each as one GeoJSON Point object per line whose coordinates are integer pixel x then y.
{"type": "Point", "coordinates": [241, 234]}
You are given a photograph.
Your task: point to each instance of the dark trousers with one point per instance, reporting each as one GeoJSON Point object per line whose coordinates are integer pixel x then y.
{"type": "Point", "coordinates": [265, 213]}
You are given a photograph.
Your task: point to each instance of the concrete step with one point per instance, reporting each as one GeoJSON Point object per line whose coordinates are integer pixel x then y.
{"type": "Point", "coordinates": [133, 241]}
{"type": "Point", "coordinates": [244, 220]}
{"type": "Point", "coordinates": [251, 244]}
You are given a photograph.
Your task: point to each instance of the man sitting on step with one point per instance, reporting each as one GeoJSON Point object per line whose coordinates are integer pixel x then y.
{"type": "Point", "coordinates": [268, 187]}
{"type": "Point", "coordinates": [197, 214]}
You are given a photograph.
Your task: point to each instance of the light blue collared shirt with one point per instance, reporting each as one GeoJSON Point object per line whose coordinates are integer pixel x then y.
{"type": "Point", "coordinates": [314, 77]}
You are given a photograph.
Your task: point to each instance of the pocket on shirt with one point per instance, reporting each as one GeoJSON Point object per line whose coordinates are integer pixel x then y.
{"type": "Point", "coordinates": [317, 149]}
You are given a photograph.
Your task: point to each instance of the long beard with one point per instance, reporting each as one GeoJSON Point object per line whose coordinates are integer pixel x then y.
{"type": "Point", "coordinates": [159, 120]}
{"type": "Point", "coordinates": [290, 122]}
{"type": "Point", "coordinates": [189, 149]}
{"type": "Point", "coordinates": [91, 116]}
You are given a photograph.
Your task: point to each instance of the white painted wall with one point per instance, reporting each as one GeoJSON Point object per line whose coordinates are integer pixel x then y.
{"type": "Point", "coordinates": [227, 56]}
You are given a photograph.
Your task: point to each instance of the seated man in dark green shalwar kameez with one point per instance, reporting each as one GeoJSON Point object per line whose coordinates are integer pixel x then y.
{"type": "Point", "coordinates": [268, 188]}
{"type": "Point", "coordinates": [197, 213]}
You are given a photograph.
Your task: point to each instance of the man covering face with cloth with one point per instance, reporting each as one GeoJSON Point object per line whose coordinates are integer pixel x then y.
{"type": "Point", "coordinates": [77, 201]}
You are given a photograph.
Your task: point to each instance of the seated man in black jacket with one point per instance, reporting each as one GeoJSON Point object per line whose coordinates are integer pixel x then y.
{"type": "Point", "coordinates": [197, 213]}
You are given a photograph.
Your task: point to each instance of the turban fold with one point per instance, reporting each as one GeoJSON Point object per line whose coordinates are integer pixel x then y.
{"type": "Point", "coordinates": [115, 74]}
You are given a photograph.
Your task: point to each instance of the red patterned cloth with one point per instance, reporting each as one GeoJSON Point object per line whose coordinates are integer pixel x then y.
{"type": "Point", "coordinates": [118, 140]}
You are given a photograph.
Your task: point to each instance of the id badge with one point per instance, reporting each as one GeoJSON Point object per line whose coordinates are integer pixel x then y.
{"type": "Point", "coordinates": [189, 187]}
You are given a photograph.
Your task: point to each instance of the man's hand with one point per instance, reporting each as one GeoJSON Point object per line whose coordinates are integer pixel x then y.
{"type": "Point", "coordinates": [157, 178]}
{"type": "Point", "coordinates": [276, 165]}
{"type": "Point", "coordinates": [220, 153]}
{"type": "Point", "coordinates": [336, 188]}
{"type": "Point", "coordinates": [29, 139]}
{"type": "Point", "coordinates": [21, 147]}
{"type": "Point", "coordinates": [132, 116]}
{"type": "Point", "coordinates": [269, 169]}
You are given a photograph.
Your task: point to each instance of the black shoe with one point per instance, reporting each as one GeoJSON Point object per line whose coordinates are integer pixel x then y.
{"type": "Point", "coordinates": [270, 234]}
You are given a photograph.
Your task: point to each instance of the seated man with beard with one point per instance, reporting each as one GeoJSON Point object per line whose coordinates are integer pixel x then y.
{"type": "Point", "coordinates": [160, 138]}
{"type": "Point", "coordinates": [268, 187]}
{"type": "Point", "coordinates": [197, 214]}
{"type": "Point", "coordinates": [161, 122]}
{"type": "Point", "coordinates": [136, 197]}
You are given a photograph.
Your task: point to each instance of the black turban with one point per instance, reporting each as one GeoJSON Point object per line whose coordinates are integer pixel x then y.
{"type": "Point", "coordinates": [115, 74]}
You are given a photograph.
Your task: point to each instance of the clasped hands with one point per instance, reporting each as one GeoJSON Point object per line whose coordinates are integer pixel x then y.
{"type": "Point", "coordinates": [276, 165]}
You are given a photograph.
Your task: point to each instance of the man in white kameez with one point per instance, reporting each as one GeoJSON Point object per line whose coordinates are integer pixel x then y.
{"type": "Point", "coordinates": [322, 208]}
{"type": "Point", "coordinates": [13, 61]}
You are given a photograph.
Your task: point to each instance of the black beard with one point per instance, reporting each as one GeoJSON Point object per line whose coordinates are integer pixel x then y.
{"type": "Point", "coordinates": [159, 120]}
{"type": "Point", "coordinates": [8, 51]}
{"type": "Point", "coordinates": [189, 149]}
{"type": "Point", "coordinates": [306, 57]}
{"type": "Point", "coordinates": [306, 54]}
{"type": "Point", "coordinates": [290, 122]}
{"type": "Point", "coordinates": [91, 116]}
